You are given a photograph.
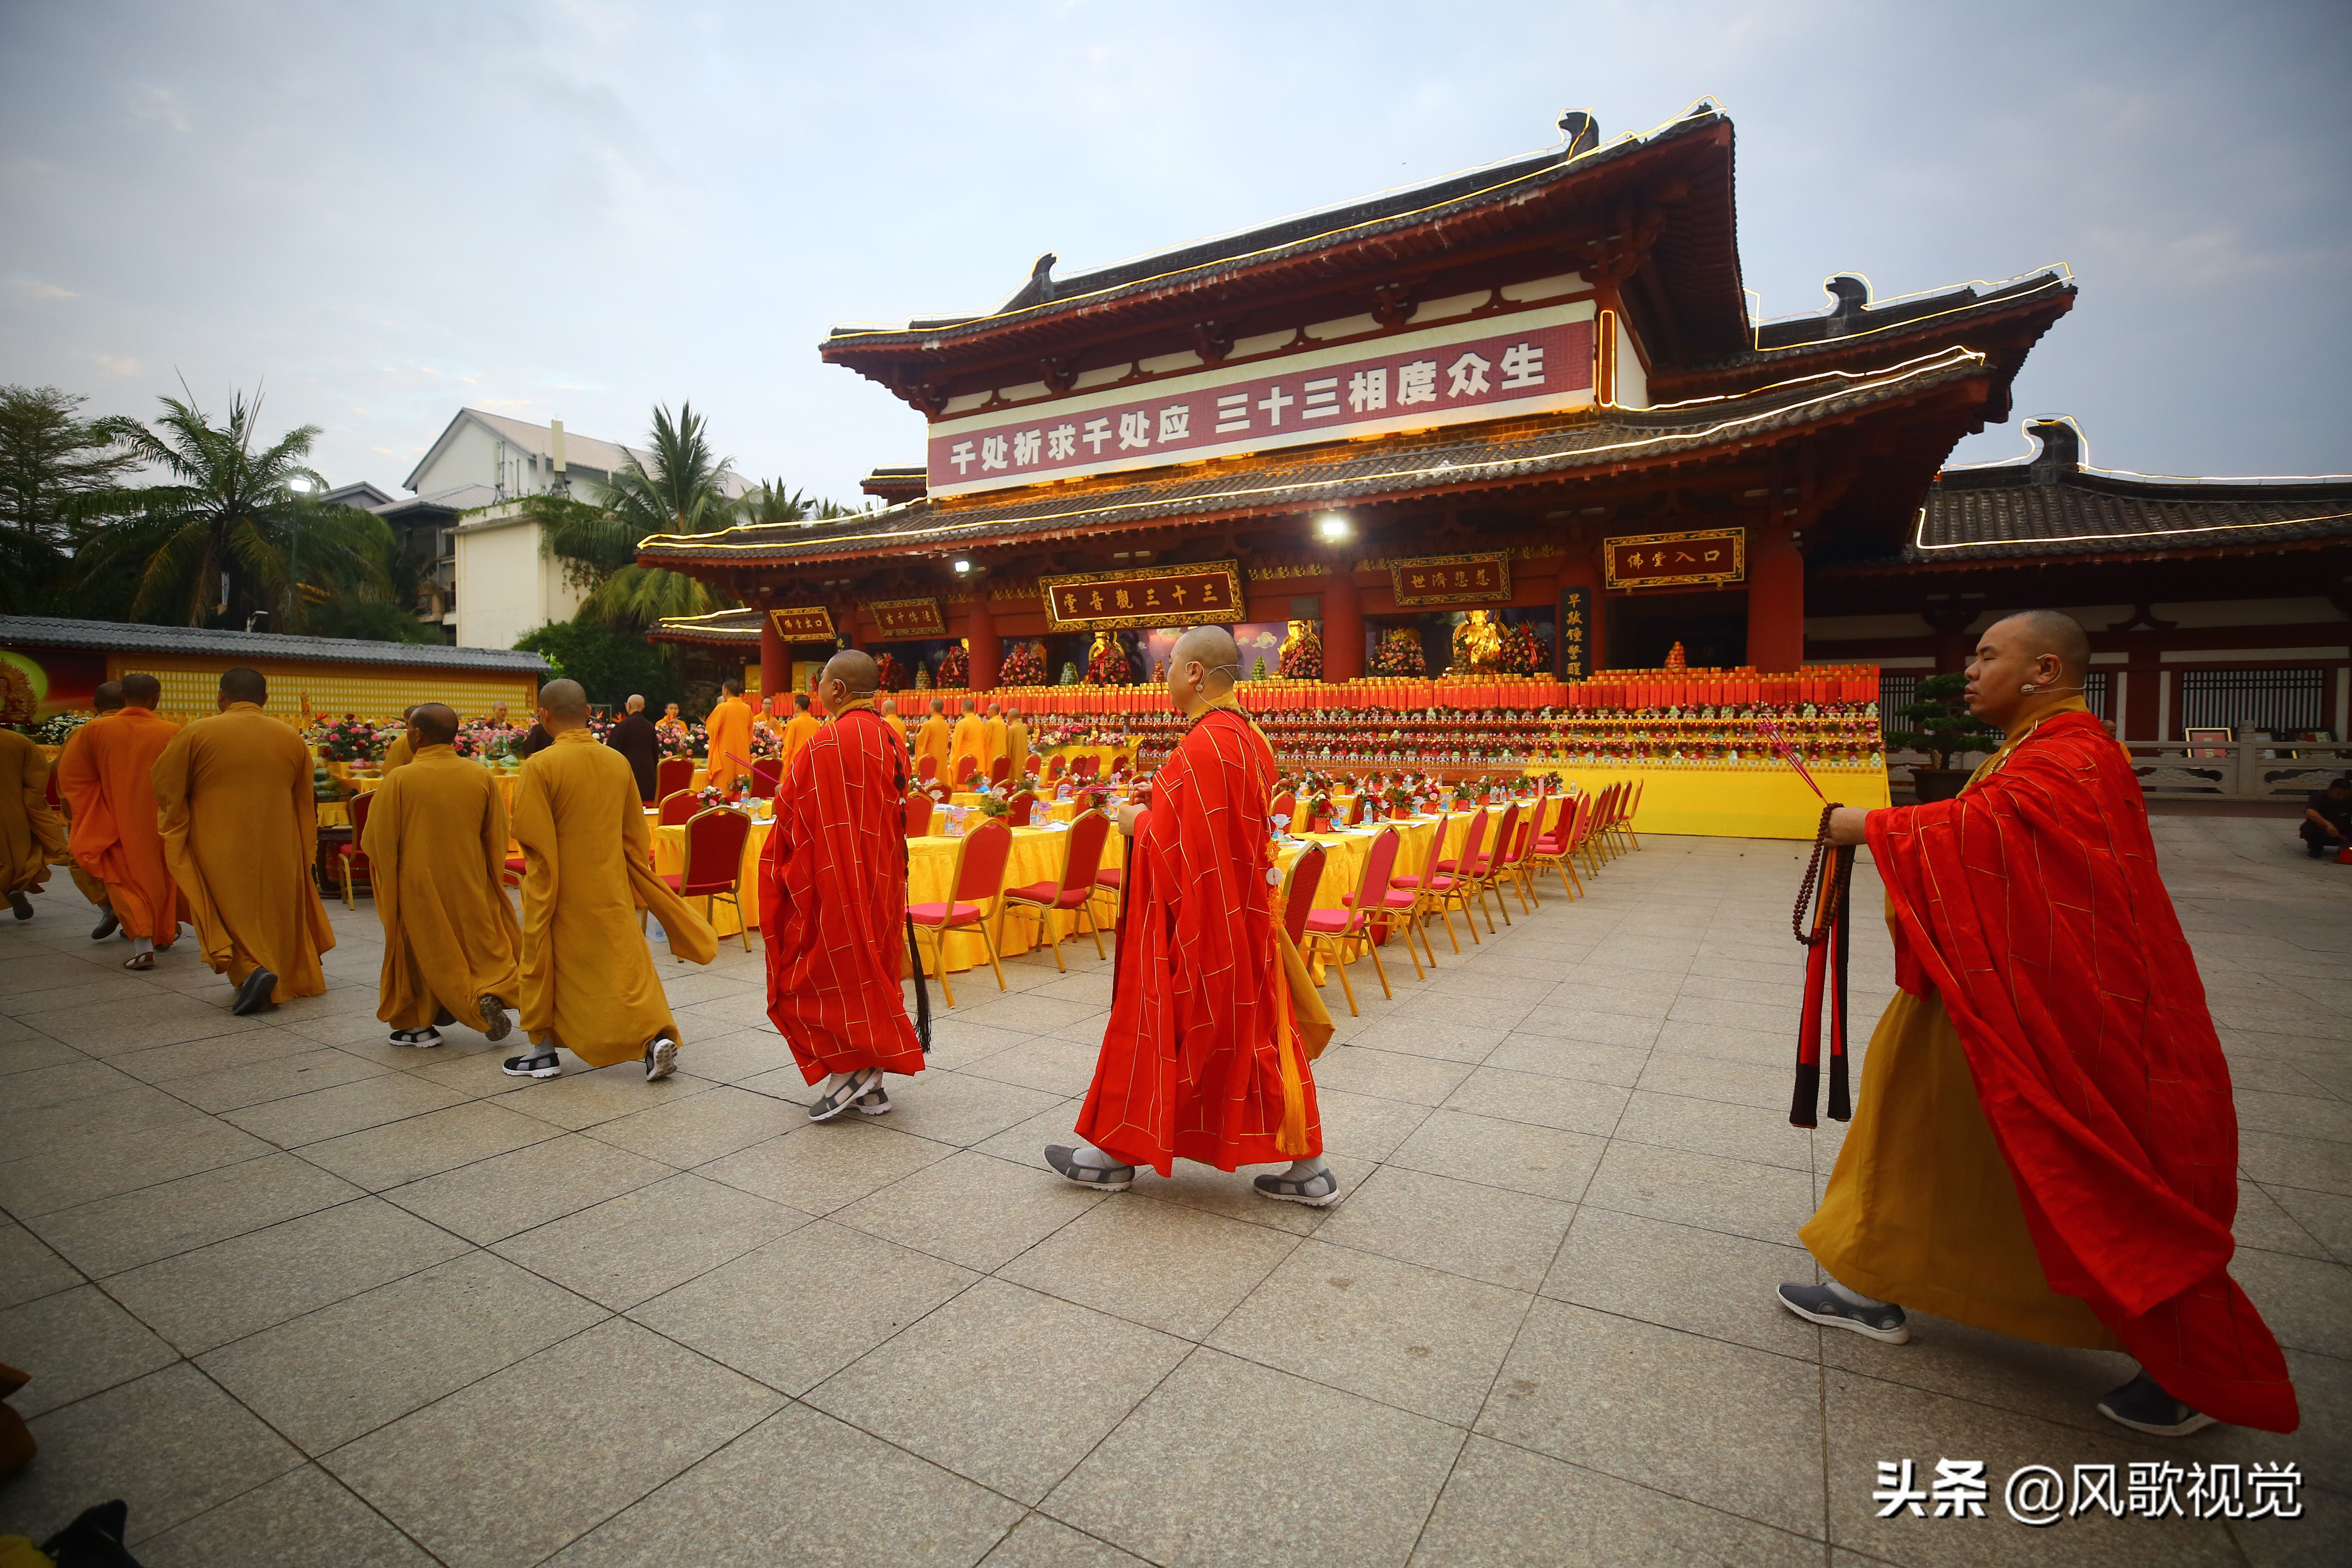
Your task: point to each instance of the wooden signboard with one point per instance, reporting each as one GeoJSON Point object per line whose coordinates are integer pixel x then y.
{"type": "Point", "coordinates": [1576, 633]}
{"type": "Point", "coordinates": [1190, 595]}
{"type": "Point", "coordinates": [1677, 560]}
{"type": "Point", "coordinates": [803, 622]}
{"type": "Point", "coordinates": [907, 619]}
{"type": "Point", "coordinates": [1481, 579]}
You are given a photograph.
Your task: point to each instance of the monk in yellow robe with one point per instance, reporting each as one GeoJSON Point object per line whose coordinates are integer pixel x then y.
{"type": "Point", "coordinates": [32, 835]}
{"type": "Point", "coordinates": [971, 741]}
{"type": "Point", "coordinates": [401, 751]}
{"type": "Point", "coordinates": [588, 980]}
{"type": "Point", "coordinates": [729, 729]}
{"type": "Point", "coordinates": [992, 730]}
{"type": "Point", "coordinates": [1016, 745]}
{"type": "Point", "coordinates": [898, 726]}
{"type": "Point", "coordinates": [107, 698]}
{"type": "Point", "coordinates": [109, 783]}
{"type": "Point", "coordinates": [801, 729]}
{"type": "Point", "coordinates": [241, 831]}
{"type": "Point", "coordinates": [670, 721]}
{"type": "Point", "coordinates": [932, 741]}
{"type": "Point", "coordinates": [436, 849]}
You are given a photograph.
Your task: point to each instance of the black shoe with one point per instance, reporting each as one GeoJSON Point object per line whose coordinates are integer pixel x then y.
{"type": "Point", "coordinates": [534, 1064]}
{"type": "Point", "coordinates": [423, 1039]}
{"type": "Point", "coordinates": [2144, 1407]}
{"type": "Point", "coordinates": [1819, 1304]}
{"type": "Point", "coordinates": [254, 995]}
{"type": "Point", "coordinates": [1315, 1190]}
{"type": "Point", "coordinates": [107, 927]}
{"type": "Point", "coordinates": [22, 905]}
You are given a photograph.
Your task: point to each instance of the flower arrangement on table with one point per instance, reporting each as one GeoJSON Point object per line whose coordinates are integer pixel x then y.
{"type": "Point", "coordinates": [683, 742]}
{"type": "Point", "coordinates": [58, 728]}
{"type": "Point", "coordinates": [994, 804]}
{"type": "Point", "coordinates": [1399, 652]}
{"type": "Point", "coordinates": [955, 669]}
{"type": "Point", "coordinates": [1318, 812]}
{"type": "Point", "coordinates": [1525, 653]}
{"type": "Point", "coordinates": [889, 675]}
{"type": "Point", "coordinates": [1302, 653]}
{"type": "Point", "coordinates": [345, 740]}
{"type": "Point", "coordinates": [490, 742]}
{"type": "Point", "coordinates": [1024, 664]}
{"type": "Point", "coordinates": [711, 796]}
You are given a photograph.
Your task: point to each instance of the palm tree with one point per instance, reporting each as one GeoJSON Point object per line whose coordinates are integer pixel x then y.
{"type": "Point", "coordinates": [231, 530]}
{"type": "Point", "coordinates": [683, 490]}
{"type": "Point", "coordinates": [772, 502]}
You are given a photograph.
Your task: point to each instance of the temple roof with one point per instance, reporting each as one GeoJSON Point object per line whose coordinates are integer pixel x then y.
{"type": "Point", "coordinates": [722, 628]}
{"type": "Point", "coordinates": [2052, 505]}
{"type": "Point", "coordinates": [1360, 472]}
{"type": "Point", "coordinates": [131, 638]}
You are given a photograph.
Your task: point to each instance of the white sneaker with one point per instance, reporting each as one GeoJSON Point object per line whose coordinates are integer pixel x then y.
{"type": "Point", "coordinates": [661, 1057]}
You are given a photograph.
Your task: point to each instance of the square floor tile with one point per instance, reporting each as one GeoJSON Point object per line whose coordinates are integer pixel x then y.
{"type": "Point", "coordinates": [1486, 1233]}
{"type": "Point", "coordinates": [1161, 1265]}
{"type": "Point", "coordinates": [706, 1127]}
{"type": "Point", "coordinates": [304, 1518]}
{"type": "Point", "coordinates": [819, 1167]}
{"type": "Point", "coordinates": [1002, 1384]}
{"type": "Point", "coordinates": [1519, 1155]}
{"type": "Point", "coordinates": [425, 1145]}
{"type": "Point", "coordinates": [1701, 1281]}
{"type": "Point", "coordinates": [971, 1208]}
{"type": "Point", "coordinates": [82, 1169]}
{"type": "Point", "coordinates": [1766, 1201]}
{"type": "Point", "coordinates": [74, 1344]}
{"type": "Point", "coordinates": [507, 1193]}
{"type": "Point", "coordinates": [331, 1113]}
{"type": "Point", "coordinates": [1575, 1105]}
{"type": "Point", "coordinates": [110, 1234]}
{"type": "Point", "coordinates": [28, 1269]}
{"type": "Point", "coordinates": [633, 1248]}
{"type": "Point", "coordinates": [1038, 1541]}
{"type": "Point", "coordinates": [584, 1098]}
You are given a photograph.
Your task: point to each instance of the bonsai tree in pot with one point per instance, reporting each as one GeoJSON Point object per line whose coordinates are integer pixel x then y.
{"type": "Point", "coordinates": [1944, 728]}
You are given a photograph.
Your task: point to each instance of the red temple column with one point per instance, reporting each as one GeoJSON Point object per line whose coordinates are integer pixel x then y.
{"type": "Point", "coordinates": [987, 648]}
{"type": "Point", "coordinates": [1775, 601]}
{"type": "Point", "coordinates": [775, 660]}
{"type": "Point", "coordinates": [1343, 627]}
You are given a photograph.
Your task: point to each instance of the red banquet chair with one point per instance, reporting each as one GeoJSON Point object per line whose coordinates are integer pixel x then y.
{"type": "Point", "coordinates": [1119, 764]}
{"type": "Point", "coordinates": [1021, 809]}
{"type": "Point", "coordinates": [1054, 766]}
{"type": "Point", "coordinates": [1445, 885]}
{"type": "Point", "coordinates": [678, 809]}
{"type": "Point", "coordinates": [1284, 806]}
{"type": "Point", "coordinates": [714, 863]}
{"type": "Point", "coordinates": [919, 815]}
{"type": "Point", "coordinates": [672, 775]}
{"type": "Point", "coordinates": [1489, 869]}
{"type": "Point", "coordinates": [965, 768]}
{"type": "Point", "coordinates": [1335, 932]}
{"type": "Point", "coordinates": [981, 856]}
{"type": "Point", "coordinates": [1553, 846]}
{"type": "Point", "coordinates": [1074, 894]}
{"type": "Point", "coordinates": [927, 768]}
{"type": "Point", "coordinates": [1034, 769]}
{"type": "Point", "coordinates": [1000, 771]}
{"type": "Point", "coordinates": [1086, 767]}
{"type": "Point", "coordinates": [351, 857]}
{"type": "Point", "coordinates": [767, 778]}
{"type": "Point", "coordinates": [1298, 894]}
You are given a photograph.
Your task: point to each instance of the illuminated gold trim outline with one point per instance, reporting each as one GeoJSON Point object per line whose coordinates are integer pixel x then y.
{"type": "Point", "coordinates": [1919, 533]}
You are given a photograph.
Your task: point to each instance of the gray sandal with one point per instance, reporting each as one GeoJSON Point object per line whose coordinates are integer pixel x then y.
{"type": "Point", "coordinates": [844, 1095]}
{"type": "Point", "coordinates": [1113, 1178]}
{"type": "Point", "coordinates": [1315, 1190]}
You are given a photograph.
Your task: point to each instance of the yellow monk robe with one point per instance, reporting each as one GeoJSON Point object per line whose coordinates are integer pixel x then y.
{"type": "Point", "coordinates": [993, 731]}
{"type": "Point", "coordinates": [32, 836]}
{"type": "Point", "coordinates": [799, 732]}
{"type": "Point", "coordinates": [933, 740]}
{"type": "Point", "coordinates": [1016, 746]}
{"type": "Point", "coordinates": [436, 849]}
{"type": "Point", "coordinates": [730, 731]}
{"type": "Point", "coordinates": [971, 741]}
{"type": "Point", "coordinates": [588, 980]}
{"type": "Point", "coordinates": [240, 831]}
{"type": "Point", "coordinates": [399, 754]}
{"type": "Point", "coordinates": [92, 888]}
{"type": "Point", "coordinates": [109, 781]}
{"type": "Point", "coordinates": [1921, 1207]}
{"type": "Point", "coordinates": [898, 728]}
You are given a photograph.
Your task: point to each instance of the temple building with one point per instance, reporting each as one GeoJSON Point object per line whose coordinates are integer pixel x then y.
{"type": "Point", "coordinates": [1531, 396]}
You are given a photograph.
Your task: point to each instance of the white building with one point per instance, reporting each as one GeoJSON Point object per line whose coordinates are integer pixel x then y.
{"type": "Point", "coordinates": [497, 581]}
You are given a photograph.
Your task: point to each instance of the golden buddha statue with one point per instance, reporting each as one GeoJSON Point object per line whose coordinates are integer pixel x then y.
{"type": "Point", "coordinates": [1478, 645]}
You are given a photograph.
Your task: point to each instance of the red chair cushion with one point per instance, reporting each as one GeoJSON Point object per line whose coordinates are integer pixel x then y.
{"type": "Point", "coordinates": [1111, 877]}
{"type": "Point", "coordinates": [1330, 922]}
{"type": "Point", "coordinates": [1435, 884]}
{"type": "Point", "coordinates": [673, 878]}
{"type": "Point", "coordinates": [515, 863]}
{"type": "Point", "coordinates": [1036, 893]}
{"type": "Point", "coordinates": [936, 914]}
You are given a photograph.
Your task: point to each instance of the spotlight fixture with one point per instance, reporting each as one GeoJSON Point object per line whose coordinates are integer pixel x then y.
{"type": "Point", "coordinates": [962, 567]}
{"type": "Point", "coordinates": [1334, 526]}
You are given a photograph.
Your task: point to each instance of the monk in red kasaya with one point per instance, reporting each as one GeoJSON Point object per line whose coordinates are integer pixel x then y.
{"type": "Point", "coordinates": [2045, 1144]}
{"type": "Point", "coordinates": [1204, 1058]}
{"type": "Point", "coordinates": [833, 900]}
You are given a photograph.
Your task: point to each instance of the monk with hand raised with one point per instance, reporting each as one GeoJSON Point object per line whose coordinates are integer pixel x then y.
{"type": "Point", "coordinates": [109, 782]}
{"type": "Point", "coordinates": [436, 849]}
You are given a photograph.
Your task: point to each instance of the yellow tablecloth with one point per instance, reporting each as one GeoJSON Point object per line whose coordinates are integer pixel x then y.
{"type": "Point", "coordinates": [1734, 802]}
{"type": "Point", "coordinates": [338, 813]}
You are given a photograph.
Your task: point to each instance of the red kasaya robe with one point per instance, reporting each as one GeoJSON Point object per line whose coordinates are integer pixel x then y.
{"type": "Point", "coordinates": [2031, 904]}
{"type": "Point", "coordinates": [1202, 1059]}
{"type": "Point", "coordinates": [833, 902]}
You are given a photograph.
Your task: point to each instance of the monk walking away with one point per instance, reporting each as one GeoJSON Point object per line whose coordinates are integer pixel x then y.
{"type": "Point", "coordinates": [110, 784]}
{"type": "Point", "coordinates": [1213, 1021]}
{"type": "Point", "coordinates": [934, 741]}
{"type": "Point", "coordinates": [588, 981]}
{"type": "Point", "coordinates": [32, 834]}
{"type": "Point", "coordinates": [729, 732]}
{"type": "Point", "coordinates": [636, 737]}
{"type": "Point", "coordinates": [436, 849]}
{"type": "Point", "coordinates": [2045, 1143]}
{"type": "Point", "coordinates": [832, 901]}
{"type": "Point", "coordinates": [971, 741]}
{"type": "Point", "coordinates": [107, 698]}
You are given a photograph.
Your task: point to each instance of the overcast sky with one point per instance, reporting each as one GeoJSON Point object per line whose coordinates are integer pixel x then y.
{"type": "Point", "coordinates": [382, 213]}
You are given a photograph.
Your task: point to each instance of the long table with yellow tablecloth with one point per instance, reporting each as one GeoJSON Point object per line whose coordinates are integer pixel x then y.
{"type": "Point", "coordinates": [1734, 803]}
{"type": "Point", "coordinates": [338, 813]}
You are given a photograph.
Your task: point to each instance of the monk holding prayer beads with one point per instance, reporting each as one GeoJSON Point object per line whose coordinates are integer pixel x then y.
{"type": "Point", "coordinates": [1204, 1058]}
{"type": "Point", "coordinates": [241, 832]}
{"type": "Point", "coordinates": [436, 850]}
{"type": "Point", "coordinates": [588, 980]}
{"type": "Point", "coordinates": [832, 901]}
{"type": "Point", "coordinates": [2045, 1143]}
{"type": "Point", "coordinates": [109, 783]}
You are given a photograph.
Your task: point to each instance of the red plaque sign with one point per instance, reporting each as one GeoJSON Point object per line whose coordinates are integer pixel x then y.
{"type": "Point", "coordinates": [1671, 560]}
{"type": "Point", "coordinates": [1481, 579]}
{"type": "Point", "coordinates": [803, 622]}
{"type": "Point", "coordinates": [1187, 596]}
{"type": "Point", "coordinates": [907, 617]}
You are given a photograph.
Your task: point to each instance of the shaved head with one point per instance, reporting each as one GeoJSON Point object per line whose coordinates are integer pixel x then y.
{"type": "Point", "coordinates": [968, 705]}
{"type": "Point", "coordinates": [107, 698]}
{"type": "Point", "coordinates": [731, 687]}
{"type": "Point", "coordinates": [141, 690]}
{"type": "Point", "coordinates": [242, 685]}
{"type": "Point", "coordinates": [2048, 631]}
{"type": "Point", "coordinates": [564, 699]}
{"type": "Point", "coordinates": [1219, 656]}
{"type": "Point", "coordinates": [939, 705]}
{"type": "Point", "coordinates": [636, 704]}
{"type": "Point", "coordinates": [433, 724]}
{"type": "Point", "coordinates": [855, 670]}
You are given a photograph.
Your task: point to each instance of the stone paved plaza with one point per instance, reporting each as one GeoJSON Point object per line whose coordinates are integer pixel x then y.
{"type": "Point", "coordinates": [306, 1299]}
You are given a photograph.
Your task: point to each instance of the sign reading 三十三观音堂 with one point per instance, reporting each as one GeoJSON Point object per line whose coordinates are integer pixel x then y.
{"type": "Point", "coordinates": [907, 618]}
{"type": "Point", "coordinates": [1478, 579]}
{"type": "Point", "coordinates": [1485, 368]}
{"type": "Point", "coordinates": [1576, 633]}
{"type": "Point", "coordinates": [1658, 560]}
{"type": "Point", "coordinates": [1192, 594]}
{"type": "Point", "coordinates": [803, 622]}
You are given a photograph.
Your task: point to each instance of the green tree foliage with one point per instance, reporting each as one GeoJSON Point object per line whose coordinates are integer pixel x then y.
{"type": "Point", "coordinates": [1945, 726]}
{"type": "Point", "coordinates": [608, 662]}
{"type": "Point", "coordinates": [231, 530]}
{"type": "Point", "coordinates": [49, 456]}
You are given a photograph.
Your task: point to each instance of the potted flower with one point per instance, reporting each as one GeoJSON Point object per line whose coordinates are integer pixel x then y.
{"type": "Point", "coordinates": [1944, 728]}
